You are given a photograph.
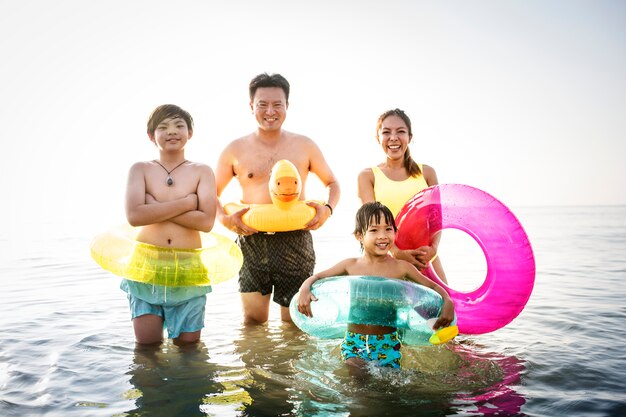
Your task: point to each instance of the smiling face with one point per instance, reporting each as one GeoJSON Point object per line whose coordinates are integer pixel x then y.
{"type": "Point", "coordinates": [269, 106]}
{"type": "Point", "coordinates": [171, 134]}
{"type": "Point", "coordinates": [375, 228]}
{"type": "Point", "coordinates": [394, 136]}
{"type": "Point", "coordinates": [378, 237]}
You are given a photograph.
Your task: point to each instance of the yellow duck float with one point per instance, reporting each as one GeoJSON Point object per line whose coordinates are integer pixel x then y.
{"type": "Point", "coordinates": [286, 212]}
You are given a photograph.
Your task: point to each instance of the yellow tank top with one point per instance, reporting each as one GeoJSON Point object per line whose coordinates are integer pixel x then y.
{"type": "Point", "coordinates": [395, 194]}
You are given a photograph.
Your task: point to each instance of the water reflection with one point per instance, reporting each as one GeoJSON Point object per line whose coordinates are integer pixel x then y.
{"type": "Point", "coordinates": [276, 370]}
{"type": "Point", "coordinates": [446, 380]}
{"type": "Point", "coordinates": [387, 392]}
{"type": "Point", "coordinates": [500, 397]}
{"type": "Point", "coordinates": [268, 353]}
{"type": "Point", "coordinates": [172, 380]}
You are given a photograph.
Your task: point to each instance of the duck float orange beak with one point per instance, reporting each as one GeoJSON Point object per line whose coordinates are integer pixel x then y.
{"type": "Point", "coordinates": [286, 212]}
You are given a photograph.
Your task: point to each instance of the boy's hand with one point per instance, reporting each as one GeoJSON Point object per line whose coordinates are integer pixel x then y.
{"type": "Point", "coordinates": [446, 317]}
{"type": "Point", "coordinates": [304, 301]}
{"type": "Point", "coordinates": [150, 199]}
{"type": "Point", "coordinates": [193, 201]}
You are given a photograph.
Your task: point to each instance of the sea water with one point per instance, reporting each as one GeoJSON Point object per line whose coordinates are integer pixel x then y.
{"type": "Point", "coordinates": [67, 345]}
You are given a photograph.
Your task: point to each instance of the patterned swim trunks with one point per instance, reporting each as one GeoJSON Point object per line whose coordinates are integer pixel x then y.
{"type": "Point", "coordinates": [383, 349]}
{"type": "Point", "coordinates": [278, 262]}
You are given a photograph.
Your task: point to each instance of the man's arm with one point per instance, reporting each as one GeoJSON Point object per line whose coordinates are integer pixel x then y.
{"type": "Point", "coordinates": [320, 167]}
{"type": "Point", "coordinates": [224, 173]}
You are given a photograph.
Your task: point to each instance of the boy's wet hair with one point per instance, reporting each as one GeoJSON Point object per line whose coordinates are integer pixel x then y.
{"type": "Point", "coordinates": [269, 80]}
{"type": "Point", "coordinates": [168, 111]}
{"type": "Point", "coordinates": [409, 164]}
{"type": "Point", "coordinates": [373, 211]}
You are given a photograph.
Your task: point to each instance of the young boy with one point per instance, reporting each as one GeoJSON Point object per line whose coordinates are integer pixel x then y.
{"type": "Point", "coordinates": [173, 200]}
{"type": "Point", "coordinates": [375, 230]}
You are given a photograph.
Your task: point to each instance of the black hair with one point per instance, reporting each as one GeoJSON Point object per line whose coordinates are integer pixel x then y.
{"type": "Point", "coordinates": [168, 111]}
{"type": "Point", "coordinates": [409, 164]}
{"type": "Point", "coordinates": [372, 211]}
{"type": "Point", "coordinates": [269, 80]}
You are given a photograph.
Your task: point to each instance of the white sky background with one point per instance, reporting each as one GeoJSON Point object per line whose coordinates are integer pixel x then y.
{"type": "Point", "coordinates": [523, 99]}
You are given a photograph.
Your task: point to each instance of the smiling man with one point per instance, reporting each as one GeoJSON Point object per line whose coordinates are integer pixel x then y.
{"type": "Point", "coordinates": [273, 262]}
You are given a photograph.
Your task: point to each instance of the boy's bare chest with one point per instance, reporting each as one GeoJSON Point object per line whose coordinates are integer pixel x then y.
{"type": "Point", "coordinates": [166, 186]}
{"type": "Point", "coordinates": [388, 269]}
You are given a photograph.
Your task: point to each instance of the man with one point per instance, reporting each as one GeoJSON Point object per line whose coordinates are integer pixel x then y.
{"type": "Point", "coordinates": [272, 261]}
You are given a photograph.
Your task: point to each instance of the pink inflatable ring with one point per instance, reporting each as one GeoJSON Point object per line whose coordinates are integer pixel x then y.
{"type": "Point", "coordinates": [510, 262]}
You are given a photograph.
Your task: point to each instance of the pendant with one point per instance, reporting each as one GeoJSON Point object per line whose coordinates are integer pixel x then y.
{"type": "Point", "coordinates": [169, 181]}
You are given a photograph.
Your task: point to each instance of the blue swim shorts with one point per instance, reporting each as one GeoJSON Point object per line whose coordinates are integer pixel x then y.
{"type": "Point", "coordinates": [383, 349]}
{"type": "Point", "coordinates": [181, 318]}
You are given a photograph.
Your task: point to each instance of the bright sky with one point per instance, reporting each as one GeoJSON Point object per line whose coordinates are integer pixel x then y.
{"type": "Point", "coordinates": [523, 99]}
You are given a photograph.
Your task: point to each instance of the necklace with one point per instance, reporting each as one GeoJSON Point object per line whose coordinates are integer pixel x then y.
{"type": "Point", "coordinates": [169, 181]}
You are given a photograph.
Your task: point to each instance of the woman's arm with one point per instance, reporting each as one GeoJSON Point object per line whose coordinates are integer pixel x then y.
{"type": "Point", "coordinates": [429, 253]}
{"type": "Point", "coordinates": [366, 186]}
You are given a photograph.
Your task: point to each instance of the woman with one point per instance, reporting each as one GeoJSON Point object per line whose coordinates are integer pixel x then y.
{"type": "Point", "coordinates": [396, 180]}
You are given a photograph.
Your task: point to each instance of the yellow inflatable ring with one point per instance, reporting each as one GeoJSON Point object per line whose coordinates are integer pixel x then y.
{"type": "Point", "coordinates": [286, 212]}
{"type": "Point", "coordinates": [117, 251]}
